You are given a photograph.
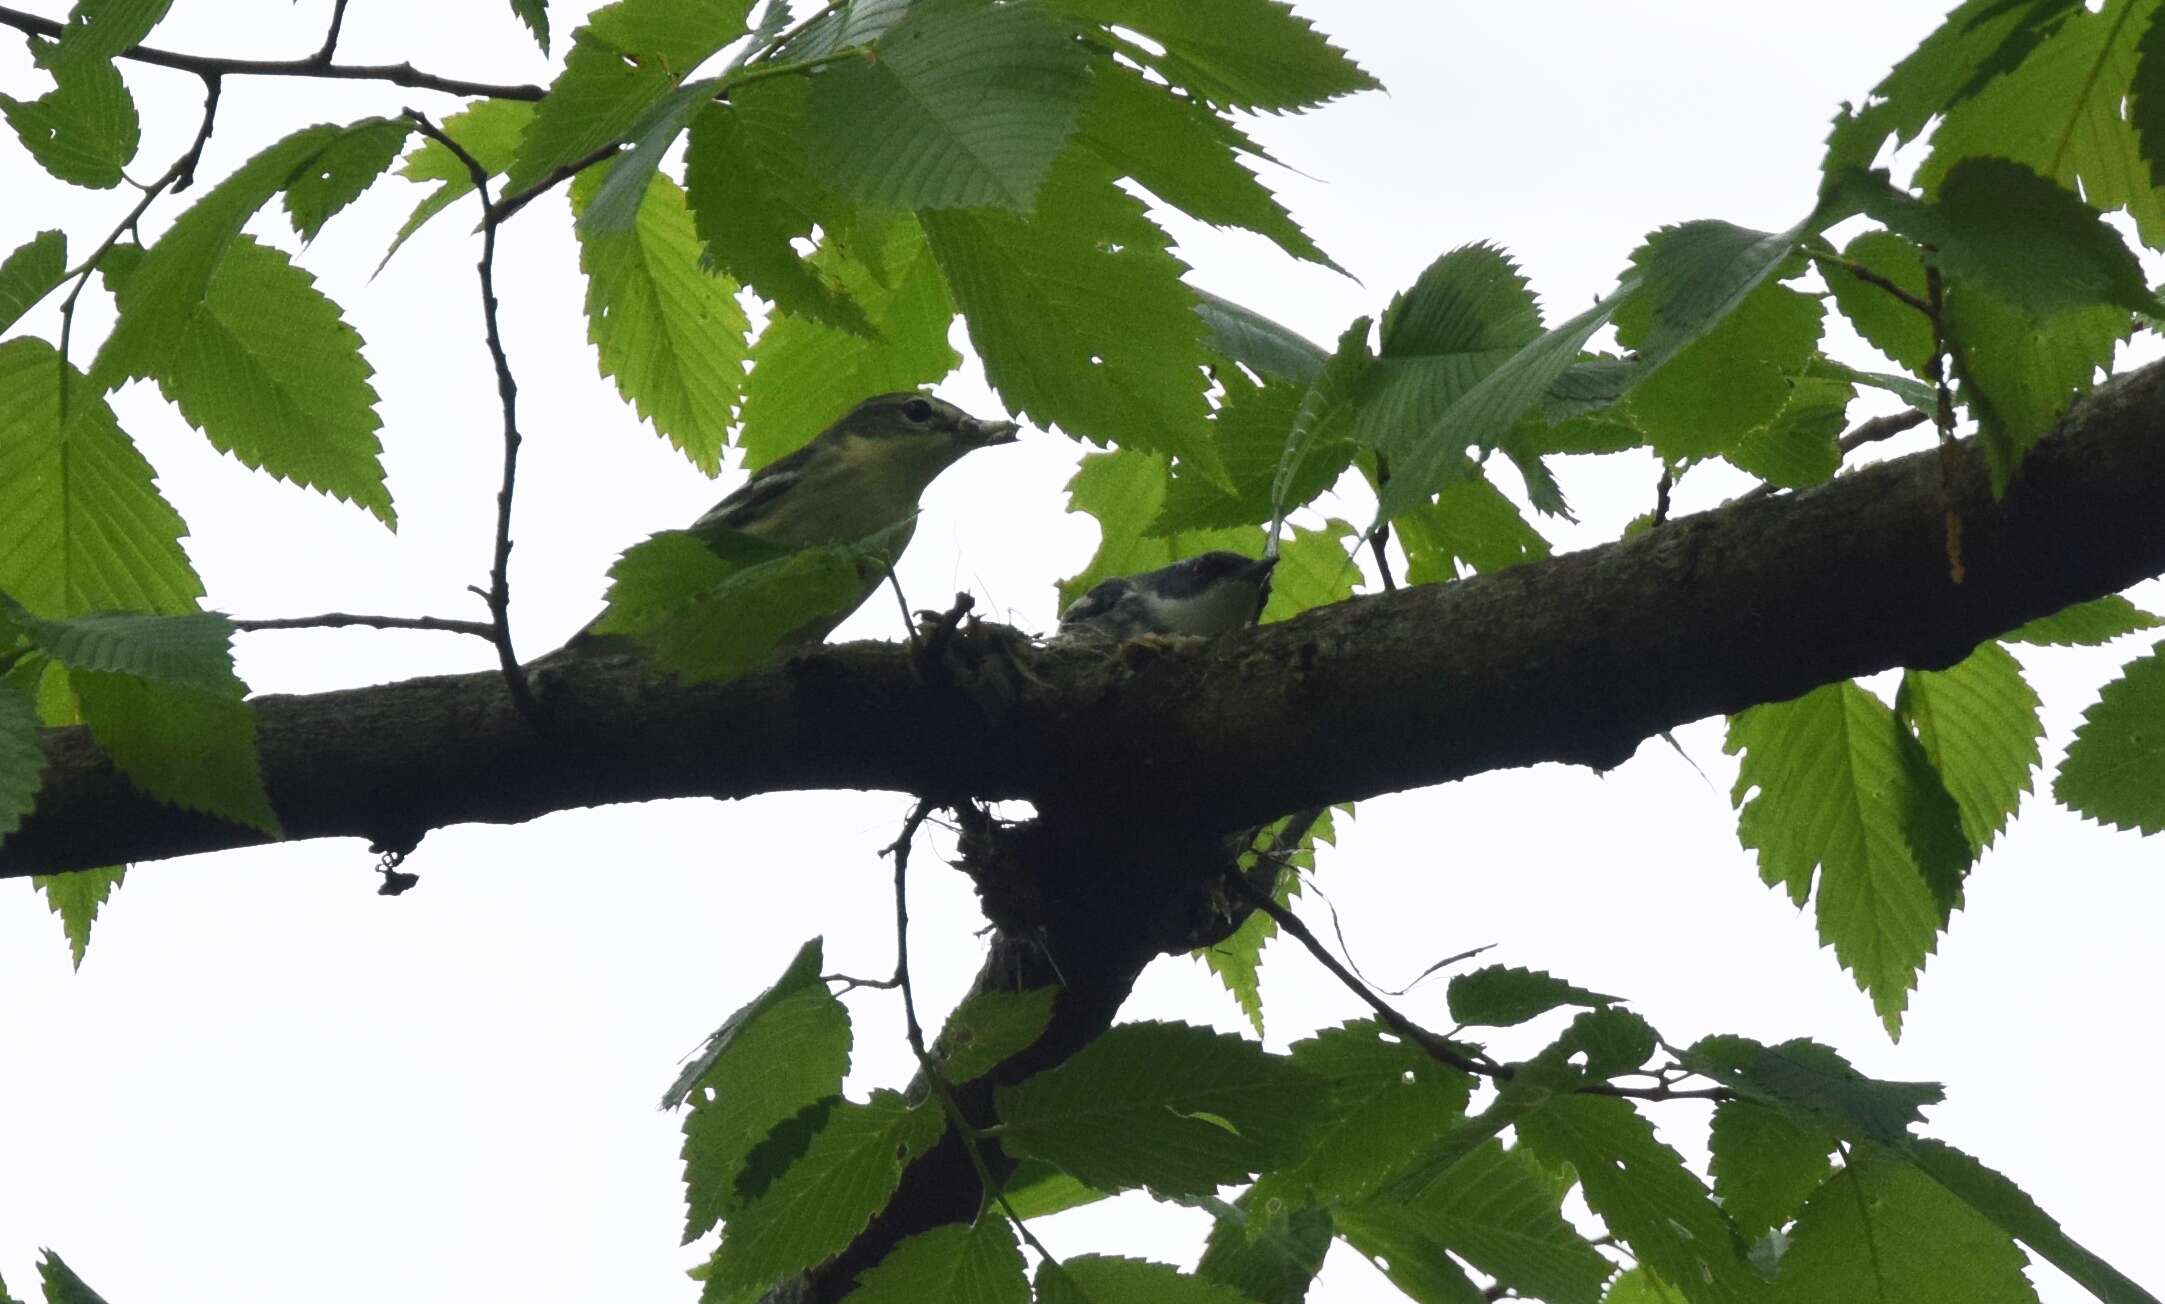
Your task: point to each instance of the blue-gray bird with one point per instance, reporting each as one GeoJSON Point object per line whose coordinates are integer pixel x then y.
{"type": "Point", "coordinates": [1202, 596]}
{"type": "Point", "coordinates": [858, 478]}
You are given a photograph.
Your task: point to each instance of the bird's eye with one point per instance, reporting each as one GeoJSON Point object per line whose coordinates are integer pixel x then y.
{"type": "Point", "coordinates": [917, 410]}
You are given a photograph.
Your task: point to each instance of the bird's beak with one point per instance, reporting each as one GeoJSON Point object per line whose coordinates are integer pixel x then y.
{"type": "Point", "coordinates": [984, 434]}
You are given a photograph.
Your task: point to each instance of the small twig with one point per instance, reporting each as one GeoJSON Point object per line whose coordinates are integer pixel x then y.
{"type": "Point", "coordinates": [1437, 1048]}
{"type": "Point", "coordinates": [507, 392]}
{"type": "Point", "coordinates": [1870, 277]}
{"type": "Point", "coordinates": [343, 620]}
{"type": "Point", "coordinates": [1867, 432]}
{"type": "Point", "coordinates": [932, 653]}
{"type": "Point", "coordinates": [1380, 537]}
{"type": "Point", "coordinates": [1661, 492]}
{"type": "Point", "coordinates": [1662, 1092]}
{"type": "Point", "coordinates": [398, 74]}
{"type": "Point", "coordinates": [510, 204]}
{"type": "Point", "coordinates": [1943, 418]}
{"type": "Point", "coordinates": [322, 56]}
{"type": "Point", "coordinates": [909, 622]}
{"type": "Point", "coordinates": [850, 982]}
{"type": "Point", "coordinates": [971, 1137]}
{"type": "Point", "coordinates": [175, 178]}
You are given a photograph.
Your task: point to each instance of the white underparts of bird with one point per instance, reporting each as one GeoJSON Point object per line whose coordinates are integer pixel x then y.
{"type": "Point", "coordinates": [1203, 596]}
{"type": "Point", "coordinates": [856, 481]}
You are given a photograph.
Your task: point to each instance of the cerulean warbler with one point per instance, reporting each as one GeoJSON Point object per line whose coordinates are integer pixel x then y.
{"type": "Point", "coordinates": [1202, 596]}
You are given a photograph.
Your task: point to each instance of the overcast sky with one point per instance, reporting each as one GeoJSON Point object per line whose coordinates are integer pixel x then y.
{"type": "Point", "coordinates": [268, 1083]}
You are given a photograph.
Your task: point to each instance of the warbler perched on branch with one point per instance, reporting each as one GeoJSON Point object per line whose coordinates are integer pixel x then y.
{"type": "Point", "coordinates": [1202, 596]}
{"type": "Point", "coordinates": [857, 480]}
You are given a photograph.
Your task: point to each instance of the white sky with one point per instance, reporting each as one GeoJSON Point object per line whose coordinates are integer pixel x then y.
{"type": "Point", "coordinates": [269, 1083]}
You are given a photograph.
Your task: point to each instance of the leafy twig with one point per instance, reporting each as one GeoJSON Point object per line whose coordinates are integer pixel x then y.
{"type": "Point", "coordinates": [1380, 537]}
{"type": "Point", "coordinates": [517, 200]}
{"type": "Point", "coordinates": [1661, 492]}
{"type": "Point", "coordinates": [342, 620]}
{"type": "Point", "coordinates": [972, 1138]}
{"type": "Point", "coordinates": [507, 392]}
{"type": "Point", "coordinates": [315, 65]}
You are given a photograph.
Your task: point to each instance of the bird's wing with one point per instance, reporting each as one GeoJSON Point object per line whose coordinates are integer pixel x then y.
{"type": "Point", "coordinates": [771, 483]}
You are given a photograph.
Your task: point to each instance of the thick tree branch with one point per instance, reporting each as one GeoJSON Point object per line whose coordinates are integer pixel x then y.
{"type": "Point", "coordinates": [1575, 659]}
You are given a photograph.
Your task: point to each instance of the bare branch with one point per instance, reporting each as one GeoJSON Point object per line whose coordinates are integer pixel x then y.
{"type": "Point", "coordinates": [345, 620]}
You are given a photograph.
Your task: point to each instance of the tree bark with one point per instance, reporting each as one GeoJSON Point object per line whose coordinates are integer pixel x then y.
{"type": "Point", "coordinates": [1574, 659]}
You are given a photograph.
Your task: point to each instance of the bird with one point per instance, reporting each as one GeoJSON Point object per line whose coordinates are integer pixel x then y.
{"type": "Point", "coordinates": [1202, 596]}
{"type": "Point", "coordinates": [858, 478]}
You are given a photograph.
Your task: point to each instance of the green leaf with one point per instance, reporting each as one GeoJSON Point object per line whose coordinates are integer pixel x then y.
{"type": "Point", "coordinates": [76, 898]}
{"type": "Point", "coordinates": [1978, 722]}
{"type": "Point", "coordinates": [1125, 491]}
{"type": "Point", "coordinates": [349, 165]}
{"type": "Point", "coordinates": [187, 651]}
{"type": "Point", "coordinates": [1843, 789]}
{"type": "Point", "coordinates": [270, 372]}
{"type": "Point", "coordinates": [1389, 1101]}
{"type": "Point", "coordinates": [2085, 624]}
{"type": "Point", "coordinates": [1799, 448]}
{"type": "Point", "coordinates": [956, 1264]}
{"type": "Point", "coordinates": [1497, 1210]}
{"type": "Point", "coordinates": [82, 526]}
{"type": "Point", "coordinates": [1882, 1230]}
{"type": "Point", "coordinates": [1765, 1163]}
{"type": "Point", "coordinates": [2059, 113]}
{"type": "Point", "coordinates": [1318, 441]}
{"type": "Point", "coordinates": [2019, 375]}
{"type": "Point", "coordinates": [1499, 996]}
{"type": "Point", "coordinates": [489, 130]}
{"type": "Point", "coordinates": [1638, 1286]}
{"type": "Point", "coordinates": [807, 372]}
{"type": "Point", "coordinates": [1425, 461]}
{"type": "Point", "coordinates": [2115, 767]}
{"type": "Point", "coordinates": [1466, 314]}
{"type": "Point", "coordinates": [168, 294]}
{"type": "Point", "coordinates": [1886, 323]}
{"type": "Point", "coordinates": [1270, 1254]}
{"type": "Point", "coordinates": [958, 106]}
{"type": "Point", "coordinates": [2008, 1206]}
{"type": "Point", "coordinates": [535, 14]}
{"type": "Point", "coordinates": [1036, 1189]}
{"type": "Point", "coordinates": [1313, 570]}
{"type": "Point", "coordinates": [1106, 1279]}
{"type": "Point", "coordinates": [989, 1028]}
{"type": "Point", "coordinates": [610, 207]}
{"type": "Point", "coordinates": [61, 1284]}
{"type": "Point", "coordinates": [745, 179]}
{"type": "Point", "coordinates": [1402, 1245]}
{"type": "Point", "coordinates": [823, 1200]}
{"type": "Point", "coordinates": [100, 29]}
{"type": "Point", "coordinates": [1263, 346]}
{"type": "Point", "coordinates": [784, 1050]}
{"type": "Point", "coordinates": [626, 59]}
{"type": "Point", "coordinates": [1610, 1039]}
{"type": "Point", "coordinates": [1248, 433]}
{"type": "Point", "coordinates": [671, 334]}
{"type": "Point", "coordinates": [1238, 54]}
{"type": "Point", "coordinates": [1470, 525]}
{"type": "Point", "coordinates": [708, 616]}
{"type": "Point", "coordinates": [1692, 277]}
{"type": "Point", "coordinates": [1179, 1109]}
{"type": "Point", "coordinates": [1237, 961]}
{"type": "Point", "coordinates": [1080, 315]}
{"type": "Point", "coordinates": [1814, 1084]}
{"type": "Point", "coordinates": [1731, 378]}
{"type": "Point", "coordinates": [1642, 1190]}
{"type": "Point", "coordinates": [2146, 97]}
{"type": "Point", "coordinates": [1185, 154]}
{"type": "Point", "coordinates": [22, 761]}
{"type": "Point", "coordinates": [30, 273]}
{"type": "Point", "coordinates": [180, 744]}
{"type": "Point", "coordinates": [84, 130]}
{"type": "Point", "coordinates": [2033, 244]}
